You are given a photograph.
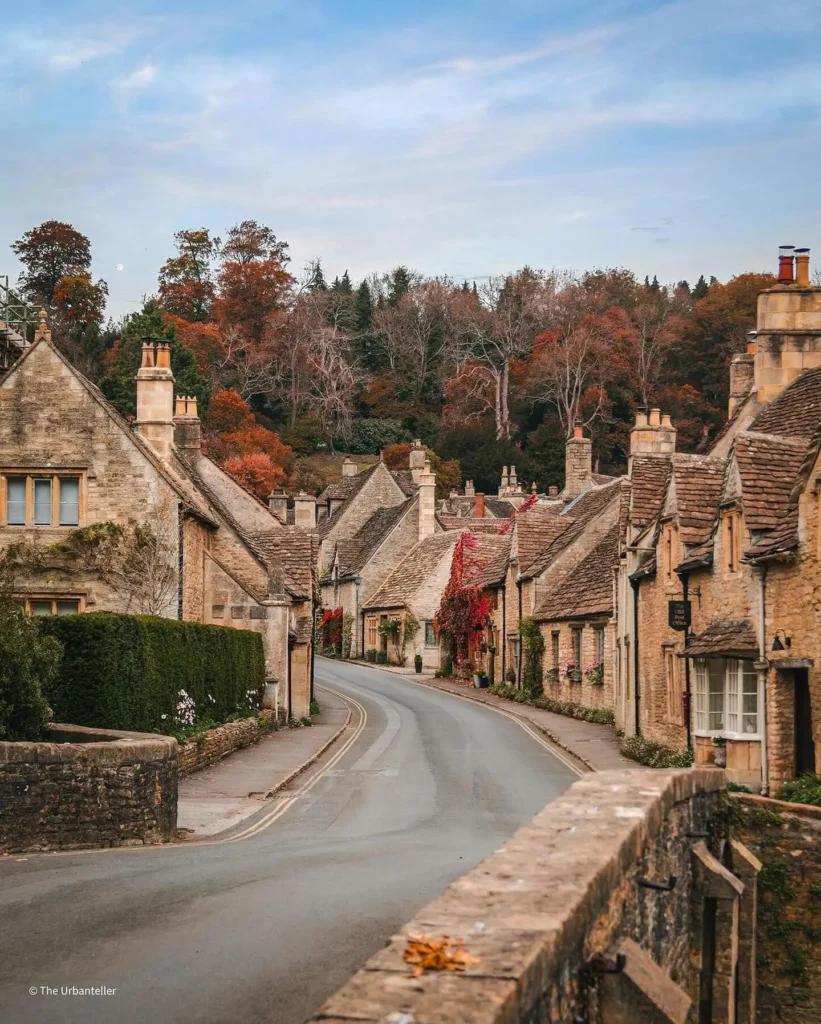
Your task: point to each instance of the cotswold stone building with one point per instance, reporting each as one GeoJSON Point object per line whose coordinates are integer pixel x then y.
{"type": "Point", "coordinates": [97, 516]}
{"type": "Point", "coordinates": [735, 536]}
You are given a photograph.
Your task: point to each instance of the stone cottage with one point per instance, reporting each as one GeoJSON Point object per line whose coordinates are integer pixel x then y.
{"type": "Point", "coordinates": [733, 538]}
{"type": "Point", "coordinates": [98, 516]}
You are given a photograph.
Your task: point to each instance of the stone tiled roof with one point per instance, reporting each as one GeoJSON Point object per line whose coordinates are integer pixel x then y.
{"type": "Point", "coordinates": [354, 552]}
{"type": "Point", "coordinates": [768, 467]}
{"type": "Point", "coordinates": [697, 557]}
{"type": "Point", "coordinates": [346, 486]}
{"type": "Point", "coordinates": [724, 637]}
{"type": "Point", "coordinates": [485, 564]}
{"type": "Point", "coordinates": [411, 573]}
{"type": "Point", "coordinates": [292, 551]}
{"type": "Point", "coordinates": [796, 412]}
{"type": "Point", "coordinates": [404, 478]}
{"type": "Point", "coordinates": [579, 514]}
{"type": "Point", "coordinates": [698, 481]}
{"type": "Point", "coordinates": [346, 489]}
{"type": "Point", "coordinates": [475, 525]}
{"type": "Point", "coordinates": [536, 529]}
{"type": "Point", "coordinates": [500, 508]}
{"type": "Point", "coordinates": [728, 426]}
{"type": "Point", "coordinates": [649, 475]}
{"type": "Point", "coordinates": [587, 590]}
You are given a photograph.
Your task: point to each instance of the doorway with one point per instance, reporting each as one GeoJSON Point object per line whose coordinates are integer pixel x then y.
{"type": "Point", "coordinates": [804, 744]}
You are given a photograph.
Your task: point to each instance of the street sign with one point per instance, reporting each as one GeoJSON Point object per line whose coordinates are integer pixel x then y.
{"type": "Point", "coordinates": [678, 615]}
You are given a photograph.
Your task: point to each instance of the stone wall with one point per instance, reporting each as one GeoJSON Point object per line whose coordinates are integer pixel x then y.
{"type": "Point", "coordinates": [578, 690]}
{"type": "Point", "coordinates": [787, 840]}
{"type": "Point", "coordinates": [587, 882]}
{"type": "Point", "coordinates": [85, 788]}
{"type": "Point", "coordinates": [196, 754]}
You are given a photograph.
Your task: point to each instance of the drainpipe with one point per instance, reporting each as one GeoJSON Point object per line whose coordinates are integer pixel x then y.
{"type": "Point", "coordinates": [519, 648]}
{"type": "Point", "coordinates": [504, 633]}
{"type": "Point", "coordinates": [313, 636]}
{"type": "Point", "coordinates": [636, 686]}
{"type": "Point", "coordinates": [685, 590]}
{"type": "Point", "coordinates": [762, 655]}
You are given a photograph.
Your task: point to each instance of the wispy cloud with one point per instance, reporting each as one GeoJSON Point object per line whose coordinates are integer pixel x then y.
{"type": "Point", "coordinates": [140, 78]}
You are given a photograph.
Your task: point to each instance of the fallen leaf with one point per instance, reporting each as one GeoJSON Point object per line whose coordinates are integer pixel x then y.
{"type": "Point", "coordinates": [425, 953]}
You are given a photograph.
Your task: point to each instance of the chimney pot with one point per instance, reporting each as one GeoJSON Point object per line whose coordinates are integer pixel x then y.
{"type": "Point", "coordinates": [802, 268]}
{"type": "Point", "coordinates": [578, 429]}
{"type": "Point", "coordinates": [479, 507]}
{"type": "Point", "coordinates": [786, 264]}
{"type": "Point", "coordinates": [665, 420]}
{"type": "Point", "coordinates": [553, 491]}
{"type": "Point", "coordinates": [655, 418]}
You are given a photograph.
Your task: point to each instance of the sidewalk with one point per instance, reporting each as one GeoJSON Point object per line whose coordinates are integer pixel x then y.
{"type": "Point", "coordinates": [219, 797]}
{"type": "Point", "coordinates": [597, 746]}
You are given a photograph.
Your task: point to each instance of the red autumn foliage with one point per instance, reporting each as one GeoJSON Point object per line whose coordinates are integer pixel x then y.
{"type": "Point", "coordinates": [228, 411]}
{"type": "Point", "coordinates": [250, 293]}
{"type": "Point", "coordinates": [330, 626]}
{"type": "Point", "coordinates": [203, 339]}
{"type": "Point", "coordinates": [252, 454]}
{"type": "Point", "coordinates": [465, 608]}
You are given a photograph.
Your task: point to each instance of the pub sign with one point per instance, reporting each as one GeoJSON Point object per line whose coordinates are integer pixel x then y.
{"type": "Point", "coordinates": [678, 615]}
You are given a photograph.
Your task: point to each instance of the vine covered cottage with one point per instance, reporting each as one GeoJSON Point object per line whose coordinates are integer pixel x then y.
{"type": "Point", "coordinates": [97, 516]}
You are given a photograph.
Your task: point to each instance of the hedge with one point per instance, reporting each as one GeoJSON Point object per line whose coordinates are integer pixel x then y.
{"type": "Point", "coordinates": [130, 671]}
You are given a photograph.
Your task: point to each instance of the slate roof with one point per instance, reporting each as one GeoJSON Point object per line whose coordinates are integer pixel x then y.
{"type": "Point", "coordinates": [699, 480]}
{"type": "Point", "coordinates": [295, 552]}
{"type": "Point", "coordinates": [501, 509]}
{"type": "Point", "coordinates": [486, 562]}
{"type": "Point", "coordinates": [587, 590]}
{"type": "Point", "coordinates": [649, 475]}
{"type": "Point", "coordinates": [796, 412]}
{"type": "Point", "coordinates": [579, 514]}
{"type": "Point", "coordinates": [723, 637]}
{"type": "Point", "coordinates": [536, 529]}
{"type": "Point", "coordinates": [399, 588]}
{"type": "Point", "coordinates": [355, 551]}
{"type": "Point", "coordinates": [768, 467]}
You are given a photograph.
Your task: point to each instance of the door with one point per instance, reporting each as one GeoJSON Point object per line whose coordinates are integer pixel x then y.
{"type": "Point", "coordinates": [804, 746]}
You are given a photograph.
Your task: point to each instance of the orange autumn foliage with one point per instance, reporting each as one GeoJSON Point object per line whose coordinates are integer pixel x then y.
{"type": "Point", "coordinates": [252, 454]}
{"type": "Point", "coordinates": [256, 471]}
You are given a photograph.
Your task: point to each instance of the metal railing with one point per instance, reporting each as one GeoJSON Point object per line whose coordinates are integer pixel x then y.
{"type": "Point", "coordinates": [15, 312]}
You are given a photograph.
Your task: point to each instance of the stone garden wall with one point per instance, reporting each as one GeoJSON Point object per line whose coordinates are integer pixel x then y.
{"type": "Point", "coordinates": [85, 788]}
{"type": "Point", "coordinates": [213, 745]}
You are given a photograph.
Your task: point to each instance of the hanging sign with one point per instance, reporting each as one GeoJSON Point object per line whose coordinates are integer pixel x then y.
{"type": "Point", "coordinates": [678, 615]}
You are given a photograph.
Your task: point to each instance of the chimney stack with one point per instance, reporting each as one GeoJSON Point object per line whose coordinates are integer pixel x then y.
{"type": "Point", "coordinates": [578, 461]}
{"type": "Point", "coordinates": [155, 396]}
{"type": "Point", "coordinates": [503, 486]}
{"type": "Point", "coordinates": [416, 461]}
{"type": "Point", "coordinates": [653, 435]}
{"type": "Point", "coordinates": [469, 489]}
{"type": "Point", "coordinates": [786, 264]}
{"type": "Point", "coordinates": [349, 468]}
{"type": "Point", "coordinates": [427, 502]}
{"type": "Point", "coordinates": [553, 491]}
{"type": "Point", "coordinates": [514, 480]}
{"type": "Point", "coordinates": [479, 507]}
{"type": "Point", "coordinates": [802, 268]}
{"type": "Point", "coordinates": [305, 511]}
{"type": "Point", "coordinates": [187, 426]}
{"type": "Point", "coordinates": [278, 504]}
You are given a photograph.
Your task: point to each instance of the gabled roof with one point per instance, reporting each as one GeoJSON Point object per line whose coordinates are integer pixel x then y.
{"type": "Point", "coordinates": [723, 637]}
{"type": "Point", "coordinates": [768, 467]}
{"type": "Point", "coordinates": [347, 489]}
{"type": "Point", "coordinates": [354, 552]}
{"type": "Point", "coordinates": [698, 480]}
{"type": "Point", "coordinates": [536, 529]}
{"type": "Point", "coordinates": [486, 560]}
{"type": "Point", "coordinates": [649, 475]}
{"type": "Point", "coordinates": [796, 412]}
{"type": "Point", "coordinates": [500, 508]}
{"type": "Point", "coordinates": [579, 514]}
{"type": "Point", "coordinates": [292, 551]}
{"type": "Point", "coordinates": [413, 571]}
{"type": "Point", "coordinates": [449, 522]}
{"type": "Point", "coordinates": [587, 590]}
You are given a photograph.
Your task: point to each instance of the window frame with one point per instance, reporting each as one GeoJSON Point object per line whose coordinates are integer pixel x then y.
{"type": "Point", "coordinates": [738, 675]}
{"type": "Point", "coordinates": [31, 477]}
{"type": "Point", "coordinates": [555, 648]}
{"type": "Point", "coordinates": [427, 625]}
{"type": "Point", "coordinates": [54, 599]}
{"type": "Point", "coordinates": [577, 644]}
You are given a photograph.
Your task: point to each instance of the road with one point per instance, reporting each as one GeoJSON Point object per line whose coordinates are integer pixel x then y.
{"type": "Point", "coordinates": [264, 929]}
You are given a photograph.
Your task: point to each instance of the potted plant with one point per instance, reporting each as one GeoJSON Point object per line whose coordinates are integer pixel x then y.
{"type": "Point", "coordinates": [417, 664]}
{"type": "Point", "coordinates": [510, 676]}
{"type": "Point", "coordinates": [381, 657]}
{"type": "Point", "coordinates": [719, 752]}
{"type": "Point", "coordinates": [573, 672]}
{"type": "Point", "coordinates": [595, 673]}
{"type": "Point", "coordinates": [370, 655]}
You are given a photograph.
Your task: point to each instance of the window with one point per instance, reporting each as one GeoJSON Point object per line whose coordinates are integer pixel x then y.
{"type": "Point", "coordinates": [41, 501]}
{"type": "Point", "coordinates": [731, 540]}
{"type": "Point", "coordinates": [554, 649]}
{"type": "Point", "coordinates": [39, 606]}
{"type": "Point", "coordinates": [430, 634]}
{"type": "Point", "coordinates": [372, 631]}
{"type": "Point", "coordinates": [576, 633]}
{"type": "Point", "coordinates": [598, 641]}
{"type": "Point", "coordinates": [726, 696]}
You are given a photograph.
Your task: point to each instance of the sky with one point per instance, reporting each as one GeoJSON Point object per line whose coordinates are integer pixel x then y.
{"type": "Point", "coordinates": [459, 137]}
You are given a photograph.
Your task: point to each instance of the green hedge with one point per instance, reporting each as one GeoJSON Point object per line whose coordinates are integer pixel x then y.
{"type": "Point", "coordinates": [127, 671]}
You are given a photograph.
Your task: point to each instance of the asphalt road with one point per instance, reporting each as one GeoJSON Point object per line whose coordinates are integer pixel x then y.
{"type": "Point", "coordinates": [264, 929]}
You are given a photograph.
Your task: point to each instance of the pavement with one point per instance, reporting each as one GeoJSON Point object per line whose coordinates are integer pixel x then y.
{"type": "Point", "coordinates": [262, 929]}
{"type": "Point", "coordinates": [595, 746]}
{"type": "Point", "coordinates": [218, 798]}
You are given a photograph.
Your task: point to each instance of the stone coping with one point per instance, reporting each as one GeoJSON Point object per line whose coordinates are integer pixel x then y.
{"type": "Point", "coordinates": [67, 743]}
{"type": "Point", "coordinates": [526, 909]}
{"type": "Point", "coordinates": [781, 806]}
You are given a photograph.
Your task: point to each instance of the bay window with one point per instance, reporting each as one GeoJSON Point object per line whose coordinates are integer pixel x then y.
{"type": "Point", "coordinates": [726, 697]}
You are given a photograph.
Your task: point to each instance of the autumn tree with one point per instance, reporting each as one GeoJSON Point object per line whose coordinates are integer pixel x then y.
{"type": "Point", "coordinates": [252, 242]}
{"type": "Point", "coordinates": [49, 252]}
{"type": "Point", "coordinates": [247, 450]}
{"type": "Point", "coordinates": [187, 279]}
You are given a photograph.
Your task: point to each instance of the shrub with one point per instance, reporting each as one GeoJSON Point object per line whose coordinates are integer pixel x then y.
{"type": "Point", "coordinates": [804, 790]}
{"type": "Point", "coordinates": [654, 755]}
{"type": "Point", "coordinates": [600, 716]}
{"type": "Point", "coordinates": [150, 674]}
{"type": "Point", "coordinates": [381, 657]}
{"type": "Point", "coordinates": [28, 664]}
{"type": "Point", "coordinates": [533, 642]}
{"type": "Point", "coordinates": [347, 634]}
{"type": "Point", "coordinates": [369, 437]}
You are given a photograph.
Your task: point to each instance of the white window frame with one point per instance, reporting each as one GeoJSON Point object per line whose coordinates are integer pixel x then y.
{"type": "Point", "coordinates": [739, 674]}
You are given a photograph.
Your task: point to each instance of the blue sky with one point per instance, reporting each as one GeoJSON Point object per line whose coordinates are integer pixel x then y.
{"type": "Point", "coordinates": [463, 138]}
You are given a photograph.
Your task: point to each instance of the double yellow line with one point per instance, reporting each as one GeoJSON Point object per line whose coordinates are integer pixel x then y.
{"type": "Point", "coordinates": [274, 815]}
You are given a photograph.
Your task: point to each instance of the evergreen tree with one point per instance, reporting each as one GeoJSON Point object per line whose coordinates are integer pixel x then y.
{"type": "Point", "coordinates": [363, 314]}
{"type": "Point", "coordinates": [400, 283]}
{"type": "Point", "coordinates": [700, 289]}
{"type": "Point", "coordinates": [363, 306]}
{"type": "Point", "coordinates": [316, 277]}
{"type": "Point", "coordinates": [654, 284]}
{"type": "Point", "coordinates": [345, 285]}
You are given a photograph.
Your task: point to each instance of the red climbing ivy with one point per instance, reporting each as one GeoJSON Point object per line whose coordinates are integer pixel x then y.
{"type": "Point", "coordinates": [505, 524]}
{"type": "Point", "coordinates": [330, 626]}
{"type": "Point", "coordinates": [465, 608]}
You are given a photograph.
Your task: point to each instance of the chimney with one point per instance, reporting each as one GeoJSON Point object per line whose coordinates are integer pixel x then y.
{"type": "Point", "coordinates": [416, 461]}
{"type": "Point", "coordinates": [155, 397]}
{"type": "Point", "coordinates": [305, 511]}
{"type": "Point", "coordinates": [503, 486]}
{"type": "Point", "coordinates": [278, 504]}
{"type": "Point", "coordinates": [742, 377]}
{"type": "Point", "coordinates": [427, 502]}
{"type": "Point", "coordinates": [578, 461]}
{"type": "Point", "coordinates": [479, 507]}
{"type": "Point", "coordinates": [653, 435]}
{"type": "Point", "coordinates": [514, 482]}
{"type": "Point", "coordinates": [187, 426]}
{"type": "Point", "coordinates": [469, 489]}
{"type": "Point", "coordinates": [788, 326]}
{"type": "Point", "coordinates": [553, 491]}
{"type": "Point", "coordinates": [349, 468]}
{"type": "Point", "coordinates": [786, 264]}
{"type": "Point", "coordinates": [802, 268]}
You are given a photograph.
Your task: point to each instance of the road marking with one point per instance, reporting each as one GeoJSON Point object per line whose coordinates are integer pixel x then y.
{"type": "Point", "coordinates": [378, 747]}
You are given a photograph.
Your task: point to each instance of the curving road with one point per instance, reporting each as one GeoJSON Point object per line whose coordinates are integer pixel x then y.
{"type": "Point", "coordinates": [264, 929]}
